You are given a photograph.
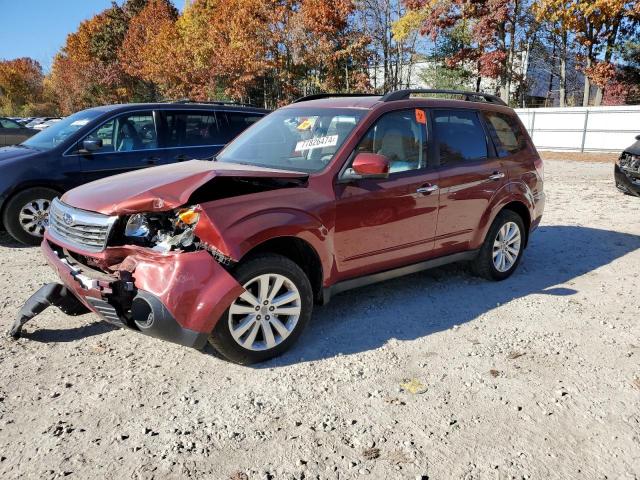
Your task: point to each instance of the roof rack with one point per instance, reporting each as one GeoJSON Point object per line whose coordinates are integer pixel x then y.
{"type": "Point", "coordinates": [209, 102]}
{"type": "Point", "coordinates": [468, 96]}
{"type": "Point", "coordinates": [317, 96]}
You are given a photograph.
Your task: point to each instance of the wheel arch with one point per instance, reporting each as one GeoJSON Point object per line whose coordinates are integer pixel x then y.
{"type": "Point", "coordinates": [511, 197]}
{"type": "Point", "coordinates": [298, 250]}
{"type": "Point", "coordinates": [522, 211]}
{"type": "Point", "coordinates": [17, 191]}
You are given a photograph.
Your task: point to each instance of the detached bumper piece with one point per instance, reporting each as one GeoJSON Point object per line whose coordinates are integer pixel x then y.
{"type": "Point", "coordinates": [51, 294]}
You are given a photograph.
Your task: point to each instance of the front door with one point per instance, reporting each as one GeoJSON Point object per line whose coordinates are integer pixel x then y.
{"type": "Point", "coordinates": [386, 223]}
{"type": "Point", "coordinates": [470, 176]}
{"type": "Point", "coordinates": [129, 142]}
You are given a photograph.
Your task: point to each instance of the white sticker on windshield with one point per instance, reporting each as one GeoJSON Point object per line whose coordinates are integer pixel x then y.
{"type": "Point", "coordinates": [317, 142]}
{"type": "Point", "coordinates": [80, 123]}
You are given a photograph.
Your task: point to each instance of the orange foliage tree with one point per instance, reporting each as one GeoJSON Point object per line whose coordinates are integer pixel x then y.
{"type": "Point", "coordinates": [21, 82]}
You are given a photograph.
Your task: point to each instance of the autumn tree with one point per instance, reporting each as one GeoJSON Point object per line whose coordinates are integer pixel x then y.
{"type": "Point", "coordinates": [21, 82]}
{"type": "Point", "coordinates": [145, 48]}
{"type": "Point", "coordinates": [393, 48]}
{"type": "Point", "coordinates": [557, 17]}
{"type": "Point", "coordinates": [599, 25]}
{"type": "Point", "coordinates": [498, 29]}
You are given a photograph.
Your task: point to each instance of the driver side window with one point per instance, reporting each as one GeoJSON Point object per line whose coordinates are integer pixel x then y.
{"type": "Point", "coordinates": [126, 133]}
{"type": "Point", "coordinates": [401, 137]}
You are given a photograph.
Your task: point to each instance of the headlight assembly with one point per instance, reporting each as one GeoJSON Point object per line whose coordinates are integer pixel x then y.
{"type": "Point", "coordinates": [163, 231]}
{"type": "Point", "coordinates": [137, 226]}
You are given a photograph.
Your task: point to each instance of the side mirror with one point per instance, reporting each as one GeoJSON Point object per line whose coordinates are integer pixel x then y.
{"type": "Point", "coordinates": [92, 145]}
{"type": "Point", "coordinates": [370, 165]}
{"type": "Point", "coordinates": [637, 137]}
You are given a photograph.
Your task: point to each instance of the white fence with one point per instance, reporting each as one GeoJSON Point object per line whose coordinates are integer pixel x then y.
{"type": "Point", "coordinates": [582, 129]}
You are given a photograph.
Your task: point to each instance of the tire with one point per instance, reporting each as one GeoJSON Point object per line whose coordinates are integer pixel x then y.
{"type": "Point", "coordinates": [32, 203]}
{"type": "Point", "coordinates": [484, 265]}
{"type": "Point", "coordinates": [252, 326]}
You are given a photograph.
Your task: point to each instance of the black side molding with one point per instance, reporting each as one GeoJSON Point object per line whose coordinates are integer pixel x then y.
{"type": "Point", "coordinates": [396, 272]}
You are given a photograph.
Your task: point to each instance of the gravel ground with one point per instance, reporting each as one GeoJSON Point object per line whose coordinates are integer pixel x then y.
{"type": "Point", "coordinates": [535, 377]}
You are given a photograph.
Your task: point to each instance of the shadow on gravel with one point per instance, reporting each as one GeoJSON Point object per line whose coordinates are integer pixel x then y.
{"type": "Point", "coordinates": [7, 240]}
{"type": "Point", "coordinates": [46, 335]}
{"type": "Point", "coordinates": [421, 304]}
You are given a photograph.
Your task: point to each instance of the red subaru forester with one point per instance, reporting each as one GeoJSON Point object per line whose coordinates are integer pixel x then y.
{"type": "Point", "coordinates": [329, 193]}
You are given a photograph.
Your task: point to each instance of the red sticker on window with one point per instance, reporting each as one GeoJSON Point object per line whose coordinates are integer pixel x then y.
{"type": "Point", "coordinates": [421, 117]}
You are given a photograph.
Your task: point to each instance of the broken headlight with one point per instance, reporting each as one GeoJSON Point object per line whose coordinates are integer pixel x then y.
{"type": "Point", "coordinates": [163, 231]}
{"type": "Point", "coordinates": [137, 226]}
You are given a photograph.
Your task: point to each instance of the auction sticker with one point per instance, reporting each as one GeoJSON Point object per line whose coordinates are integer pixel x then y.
{"type": "Point", "coordinates": [318, 142]}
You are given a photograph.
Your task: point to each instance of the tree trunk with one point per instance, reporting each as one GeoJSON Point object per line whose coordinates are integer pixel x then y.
{"type": "Point", "coordinates": [587, 85]}
{"type": "Point", "coordinates": [607, 58]}
{"type": "Point", "coordinates": [563, 71]}
{"type": "Point", "coordinates": [551, 75]}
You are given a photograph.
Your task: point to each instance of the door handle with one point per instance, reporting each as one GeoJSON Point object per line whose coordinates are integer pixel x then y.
{"type": "Point", "coordinates": [152, 160]}
{"type": "Point", "coordinates": [182, 158]}
{"type": "Point", "coordinates": [496, 176]}
{"type": "Point", "coordinates": [427, 189]}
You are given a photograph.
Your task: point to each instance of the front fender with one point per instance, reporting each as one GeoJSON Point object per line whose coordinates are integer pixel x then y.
{"type": "Point", "coordinates": [246, 233]}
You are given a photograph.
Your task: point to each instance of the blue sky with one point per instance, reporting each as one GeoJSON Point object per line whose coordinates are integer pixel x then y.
{"type": "Point", "coordinates": [38, 28]}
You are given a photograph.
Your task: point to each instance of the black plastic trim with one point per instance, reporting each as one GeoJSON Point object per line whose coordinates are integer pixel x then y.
{"type": "Point", "coordinates": [162, 325]}
{"type": "Point", "coordinates": [468, 96]}
{"type": "Point", "coordinates": [396, 272]}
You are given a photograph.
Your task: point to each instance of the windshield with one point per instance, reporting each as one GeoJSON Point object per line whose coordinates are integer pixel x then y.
{"type": "Point", "coordinates": [300, 139]}
{"type": "Point", "coordinates": [59, 131]}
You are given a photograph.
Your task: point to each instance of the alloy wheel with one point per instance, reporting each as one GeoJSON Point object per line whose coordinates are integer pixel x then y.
{"type": "Point", "coordinates": [506, 247]}
{"type": "Point", "coordinates": [34, 216]}
{"type": "Point", "coordinates": [266, 314]}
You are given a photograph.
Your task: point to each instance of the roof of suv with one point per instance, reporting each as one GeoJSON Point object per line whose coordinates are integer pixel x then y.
{"type": "Point", "coordinates": [366, 101]}
{"type": "Point", "coordinates": [179, 106]}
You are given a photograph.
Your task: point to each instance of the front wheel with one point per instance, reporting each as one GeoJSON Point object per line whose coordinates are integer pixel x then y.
{"type": "Point", "coordinates": [269, 316]}
{"type": "Point", "coordinates": [27, 214]}
{"type": "Point", "coordinates": [502, 249]}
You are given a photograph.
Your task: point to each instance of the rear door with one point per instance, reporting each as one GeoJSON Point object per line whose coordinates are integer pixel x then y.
{"type": "Point", "coordinates": [129, 142]}
{"type": "Point", "coordinates": [190, 134]}
{"type": "Point", "coordinates": [233, 123]}
{"type": "Point", "coordinates": [470, 175]}
{"type": "Point", "coordinates": [200, 134]}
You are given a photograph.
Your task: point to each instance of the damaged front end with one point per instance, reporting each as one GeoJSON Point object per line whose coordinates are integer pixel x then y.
{"type": "Point", "coordinates": [156, 276]}
{"type": "Point", "coordinates": [627, 173]}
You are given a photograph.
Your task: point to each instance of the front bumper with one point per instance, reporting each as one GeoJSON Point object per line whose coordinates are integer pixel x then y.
{"type": "Point", "coordinates": [177, 297]}
{"type": "Point", "coordinates": [625, 182]}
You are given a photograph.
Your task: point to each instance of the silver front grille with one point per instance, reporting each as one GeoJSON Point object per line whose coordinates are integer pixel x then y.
{"type": "Point", "coordinates": [86, 230]}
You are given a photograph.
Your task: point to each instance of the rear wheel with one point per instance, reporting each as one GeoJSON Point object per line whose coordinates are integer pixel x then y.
{"type": "Point", "coordinates": [26, 214]}
{"type": "Point", "coordinates": [269, 316]}
{"type": "Point", "coordinates": [502, 249]}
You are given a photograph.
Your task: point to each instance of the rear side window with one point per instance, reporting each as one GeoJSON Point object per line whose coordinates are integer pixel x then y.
{"type": "Point", "coordinates": [506, 133]}
{"type": "Point", "coordinates": [233, 123]}
{"type": "Point", "coordinates": [460, 136]}
{"type": "Point", "coordinates": [192, 129]}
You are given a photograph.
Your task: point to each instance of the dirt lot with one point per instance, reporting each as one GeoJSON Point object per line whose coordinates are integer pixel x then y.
{"type": "Point", "coordinates": [536, 377]}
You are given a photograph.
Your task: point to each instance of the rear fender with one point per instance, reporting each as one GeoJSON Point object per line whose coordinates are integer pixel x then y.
{"type": "Point", "coordinates": [510, 192]}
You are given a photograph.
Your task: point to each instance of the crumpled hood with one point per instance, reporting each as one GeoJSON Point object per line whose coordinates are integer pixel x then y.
{"type": "Point", "coordinates": [159, 188]}
{"type": "Point", "coordinates": [15, 153]}
{"type": "Point", "coordinates": [634, 148]}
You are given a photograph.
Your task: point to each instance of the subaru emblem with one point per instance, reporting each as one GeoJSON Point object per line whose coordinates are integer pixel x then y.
{"type": "Point", "coordinates": [67, 218]}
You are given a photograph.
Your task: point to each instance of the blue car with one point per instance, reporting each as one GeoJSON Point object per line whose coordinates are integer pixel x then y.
{"type": "Point", "coordinates": [103, 141]}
